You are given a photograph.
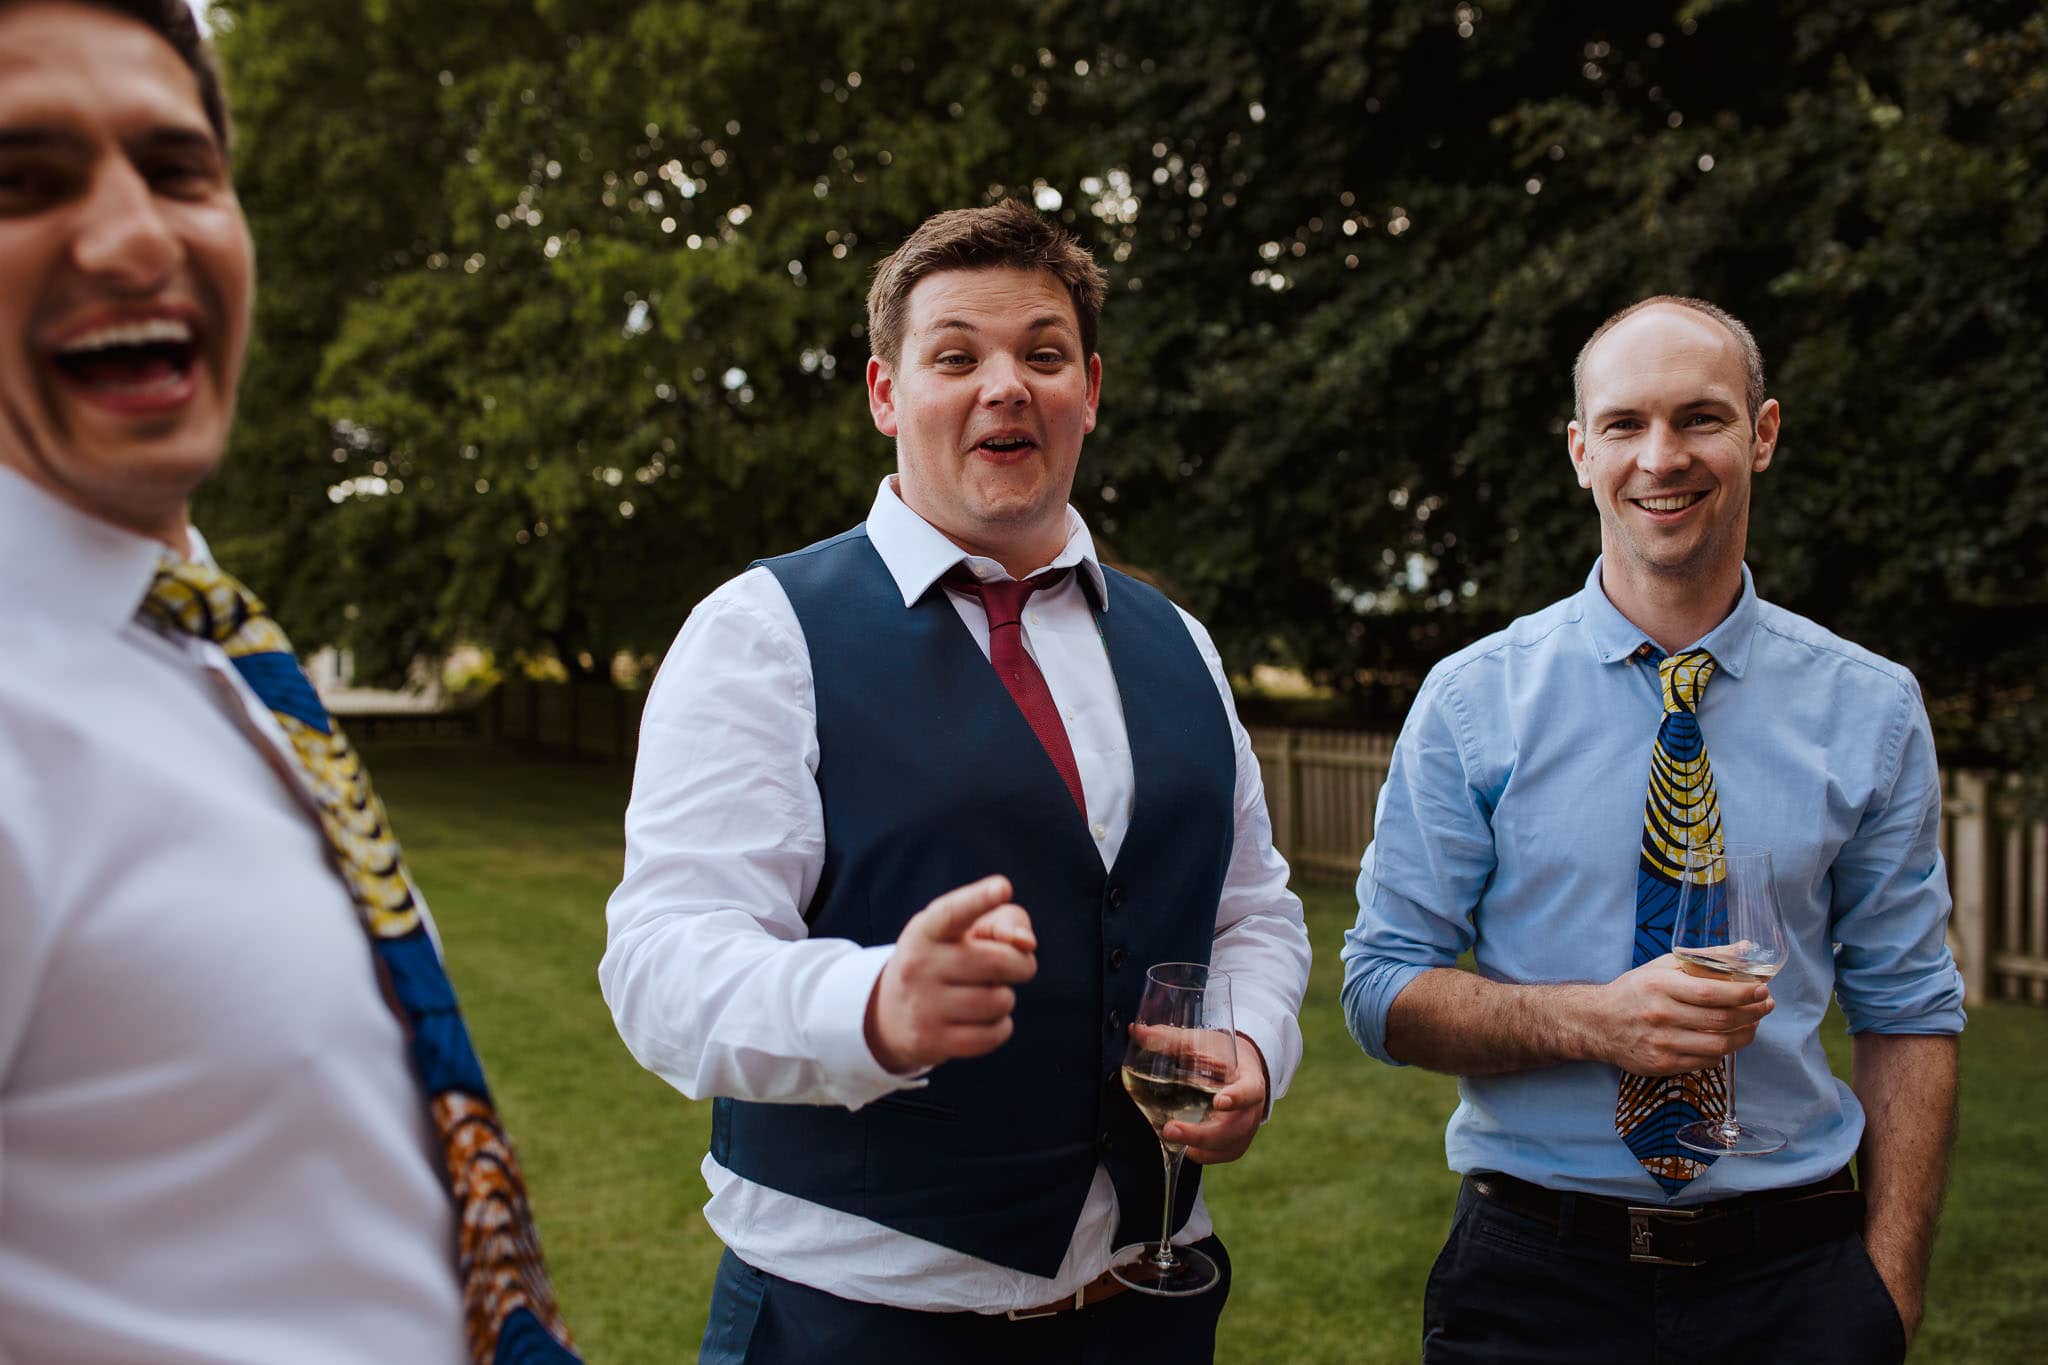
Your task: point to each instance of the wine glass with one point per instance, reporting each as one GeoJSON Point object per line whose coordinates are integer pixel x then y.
{"type": "Point", "coordinates": [1729, 928]}
{"type": "Point", "coordinates": [1182, 1050]}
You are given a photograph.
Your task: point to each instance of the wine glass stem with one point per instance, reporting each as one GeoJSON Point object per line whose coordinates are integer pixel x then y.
{"type": "Point", "coordinates": [1729, 1127]}
{"type": "Point", "coordinates": [1171, 1155]}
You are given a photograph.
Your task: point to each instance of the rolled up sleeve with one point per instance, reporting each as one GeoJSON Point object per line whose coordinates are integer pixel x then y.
{"type": "Point", "coordinates": [1894, 972]}
{"type": "Point", "coordinates": [1429, 862]}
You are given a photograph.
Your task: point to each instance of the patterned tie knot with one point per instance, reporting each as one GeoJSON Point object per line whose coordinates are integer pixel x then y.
{"type": "Point", "coordinates": [210, 603]}
{"type": "Point", "coordinates": [200, 600]}
{"type": "Point", "coordinates": [1685, 676]}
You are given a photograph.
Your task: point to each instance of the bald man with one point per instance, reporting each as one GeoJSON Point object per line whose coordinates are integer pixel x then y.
{"type": "Point", "coordinates": [1550, 792]}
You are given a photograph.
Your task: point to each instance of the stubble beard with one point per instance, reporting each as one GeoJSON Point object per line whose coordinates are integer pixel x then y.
{"type": "Point", "coordinates": [1701, 562]}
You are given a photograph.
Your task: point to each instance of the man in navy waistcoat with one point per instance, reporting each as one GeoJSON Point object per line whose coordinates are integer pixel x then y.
{"type": "Point", "coordinates": [894, 907]}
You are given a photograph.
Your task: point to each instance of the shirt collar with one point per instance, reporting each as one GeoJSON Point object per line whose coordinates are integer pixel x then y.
{"type": "Point", "coordinates": [66, 563]}
{"type": "Point", "coordinates": [917, 554]}
{"type": "Point", "coordinates": [1615, 637]}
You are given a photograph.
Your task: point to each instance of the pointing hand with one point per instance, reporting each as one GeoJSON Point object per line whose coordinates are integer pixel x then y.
{"type": "Point", "coordinates": [947, 990]}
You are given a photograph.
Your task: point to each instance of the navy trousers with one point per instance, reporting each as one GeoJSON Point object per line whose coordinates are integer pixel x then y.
{"type": "Point", "coordinates": [761, 1319]}
{"type": "Point", "coordinates": [1508, 1290]}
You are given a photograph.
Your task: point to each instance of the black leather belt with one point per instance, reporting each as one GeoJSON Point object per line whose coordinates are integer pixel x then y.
{"type": "Point", "coordinates": [1774, 1221]}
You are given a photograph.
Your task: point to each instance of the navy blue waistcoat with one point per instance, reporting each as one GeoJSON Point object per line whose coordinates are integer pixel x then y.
{"type": "Point", "coordinates": [931, 778]}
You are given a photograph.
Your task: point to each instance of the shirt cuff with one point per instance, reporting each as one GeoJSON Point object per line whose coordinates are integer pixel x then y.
{"type": "Point", "coordinates": [1367, 1002]}
{"type": "Point", "coordinates": [1271, 1040]}
{"type": "Point", "coordinates": [838, 1011]}
{"type": "Point", "coordinates": [1933, 1022]}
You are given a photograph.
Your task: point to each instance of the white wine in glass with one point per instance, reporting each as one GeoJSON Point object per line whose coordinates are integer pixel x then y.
{"type": "Point", "coordinates": [1736, 962]}
{"type": "Point", "coordinates": [1182, 1051]}
{"type": "Point", "coordinates": [1165, 1101]}
{"type": "Point", "coordinates": [1729, 928]}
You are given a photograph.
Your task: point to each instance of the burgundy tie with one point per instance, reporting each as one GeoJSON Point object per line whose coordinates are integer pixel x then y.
{"type": "Point", "coordinates": [1004, 603]}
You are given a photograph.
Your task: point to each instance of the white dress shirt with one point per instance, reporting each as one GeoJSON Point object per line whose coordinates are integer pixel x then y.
{"type": "Point", "coordinates": [212, 1146]}
{"type": "Point", "coordinates": [715, 984]}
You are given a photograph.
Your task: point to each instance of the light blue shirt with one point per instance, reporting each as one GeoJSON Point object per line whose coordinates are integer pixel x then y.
{"type": "Point", "coordinates": [1511, 822]}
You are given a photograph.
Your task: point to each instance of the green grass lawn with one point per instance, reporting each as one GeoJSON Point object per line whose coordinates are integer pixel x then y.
{"type": "Point", "coordinates": [1332, 1220]}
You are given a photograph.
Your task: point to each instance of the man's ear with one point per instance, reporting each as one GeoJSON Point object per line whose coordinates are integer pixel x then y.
{"type": "Point", "coordinates": [1575, 446]}
{"type": "Point", "coordinates": [1767, 419]}
{"type": "Point", "coordinates": [882, 395]}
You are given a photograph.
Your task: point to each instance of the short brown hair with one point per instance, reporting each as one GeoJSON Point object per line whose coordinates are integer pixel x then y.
{"type": "Point", "coordinates": [174, 22]}
{"type": "Point", "coordinates": [1752, 355]}
{"type": "Point", "coordinates": [1011, 235]}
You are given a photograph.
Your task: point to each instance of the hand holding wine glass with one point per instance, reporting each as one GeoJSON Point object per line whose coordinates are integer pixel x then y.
{"type": "Point", "coordinates": [1729, 928]}
{"type": "Point", "coordinates": [1181, 1052]}
{"type": "Point", "coordinates": [1236, 1117]}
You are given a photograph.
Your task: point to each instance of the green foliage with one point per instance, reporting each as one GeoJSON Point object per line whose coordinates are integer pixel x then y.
{"type": "Point", "coordinates": [562, 300]}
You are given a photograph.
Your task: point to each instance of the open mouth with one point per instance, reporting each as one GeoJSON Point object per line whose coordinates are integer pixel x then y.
{"type": "Point", "coordinates": [1006, 445]}
{"type": "Point", "coordinates": [1670, 502]}
{"type": "Point", "coordinates": [140, 364]}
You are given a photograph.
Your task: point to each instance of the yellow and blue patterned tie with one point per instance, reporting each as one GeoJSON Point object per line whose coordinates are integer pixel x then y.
{"type": "Point", "coordinates": [508, 1303]}
{"type": "Point", "coordinates": [1680, 814]}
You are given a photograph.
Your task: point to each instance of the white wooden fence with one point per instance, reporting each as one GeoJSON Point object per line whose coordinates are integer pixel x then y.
{"type": "Point", "coordinates": [1998, 872]}
{"type": "Point", "coordinates": [1322, 787]}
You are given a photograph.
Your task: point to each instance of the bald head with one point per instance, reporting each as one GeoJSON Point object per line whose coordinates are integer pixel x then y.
{"type": "Point", "coordinates": [1749, 357]}
{"type": "Point", "coordinates": [1632, 366]}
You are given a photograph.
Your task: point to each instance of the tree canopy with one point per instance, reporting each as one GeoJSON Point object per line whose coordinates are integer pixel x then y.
{"type": "Point", "coordinates": [560, 312]}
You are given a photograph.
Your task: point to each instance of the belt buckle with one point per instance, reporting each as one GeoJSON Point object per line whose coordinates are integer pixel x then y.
{"type": "Point", "coordinates": [1049, 1310]}
{"type": "Point", "coordinates": [1642, 1237]}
